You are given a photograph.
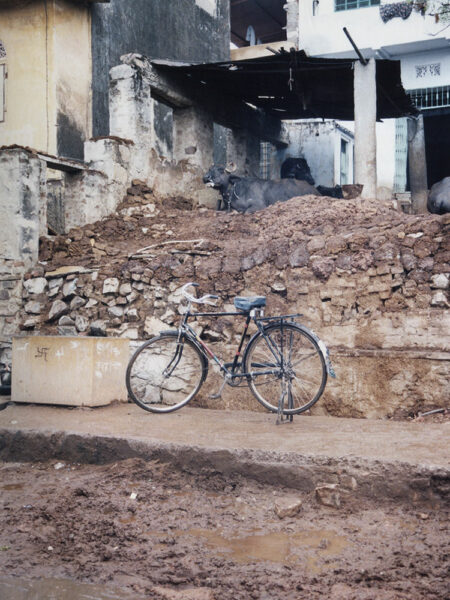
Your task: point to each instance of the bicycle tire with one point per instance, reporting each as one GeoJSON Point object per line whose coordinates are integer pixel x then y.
{"type": "Point", "coordinates": [156, 392]}
{"type": "Point", "coordinates": [300, 350]}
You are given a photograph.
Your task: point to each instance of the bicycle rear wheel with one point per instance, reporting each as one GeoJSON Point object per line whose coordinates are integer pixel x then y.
{"type": "Point", "coordinates": [297, 368]}
{"type": "Point", "coordinates": [164, 375]}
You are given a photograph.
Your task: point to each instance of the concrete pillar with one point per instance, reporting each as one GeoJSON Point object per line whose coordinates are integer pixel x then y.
{"type": "Point", "coordinates": [130, 106]}
{"type": "Point", "coordinates": [292, 22]}
{"type": "Point", "coordinates": [23, 217]}
{"type": "Point", "coordinates": [237, 149]}
{"type": "Point", "coordinates": [417, 165]}
{"type": "Point", "coordinates": [23, 206]}
{"type": "Point", "coordinates": [193, 137]}
{"type": "Point", "coordinates": [365, 99]}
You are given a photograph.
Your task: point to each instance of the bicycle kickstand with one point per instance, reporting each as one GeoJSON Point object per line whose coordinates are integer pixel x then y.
{"type": "Point", "coordinates": [218, 394]}
{"type": "Point", "coordinates": [280, 416]}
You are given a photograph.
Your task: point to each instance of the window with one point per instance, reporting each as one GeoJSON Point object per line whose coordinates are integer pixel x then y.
{"type": "Point", "coordinates": [350, 4]}
{"type": "Point", "coordinates": [344, 162]}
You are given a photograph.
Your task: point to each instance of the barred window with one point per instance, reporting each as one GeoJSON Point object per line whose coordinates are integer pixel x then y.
{"type": "Point", "coordinates": [436, 97]}
{"type": "Point", "coordinates": [264, 159]}
{"type": "Point", "coordinates": [350, 4]}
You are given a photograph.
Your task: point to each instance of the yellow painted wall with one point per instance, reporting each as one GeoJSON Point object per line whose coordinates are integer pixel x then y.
{"type": "Point", "coordinates": [48, 62]}
{"type": "Point", "coordinates": [73, 63]}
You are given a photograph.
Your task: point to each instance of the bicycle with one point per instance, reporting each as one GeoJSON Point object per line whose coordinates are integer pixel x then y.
{"type": "Point", "coordinates": [284, 364]}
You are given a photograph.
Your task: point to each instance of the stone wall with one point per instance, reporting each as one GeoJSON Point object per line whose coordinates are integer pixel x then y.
{"type": "Point", "coordinates": [372, 282]}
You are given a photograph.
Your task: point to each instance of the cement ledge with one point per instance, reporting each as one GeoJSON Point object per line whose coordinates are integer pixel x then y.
{"type": "Point", "coordinates": [378, 480]}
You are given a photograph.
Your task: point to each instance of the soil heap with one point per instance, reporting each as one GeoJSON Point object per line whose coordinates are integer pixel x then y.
{"type": "Point", "coordinates": [346, 264]}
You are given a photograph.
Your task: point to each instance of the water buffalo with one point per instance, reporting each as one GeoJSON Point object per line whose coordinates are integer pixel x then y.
{"type": "Point", "coordinates": [296, 168]}
{"type": "Point", "coordinates": [249, 194]}
{"type": "Point", "coordinates": [439, 197]}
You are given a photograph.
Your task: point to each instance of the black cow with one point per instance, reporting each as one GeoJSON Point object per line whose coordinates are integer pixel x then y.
{"type": "Point", "coordinates": [439, 197]}
{"type": "Point", "coordinates": [249, 194]}
{"type": "Point", "coordinates": [296, 168]}
{"type": "Point", "coordinates": [331, 192]}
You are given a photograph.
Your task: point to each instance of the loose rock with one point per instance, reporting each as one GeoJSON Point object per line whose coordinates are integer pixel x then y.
{"type": "Point", "coordinates": [328, 495]}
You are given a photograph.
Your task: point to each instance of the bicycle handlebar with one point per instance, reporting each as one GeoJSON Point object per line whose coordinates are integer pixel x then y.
{"type": "Point", "coordinates": [203, 300]}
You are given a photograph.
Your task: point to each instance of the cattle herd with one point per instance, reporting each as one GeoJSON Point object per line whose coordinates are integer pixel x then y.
{"type": "Point", "coordinates": [250, 194]}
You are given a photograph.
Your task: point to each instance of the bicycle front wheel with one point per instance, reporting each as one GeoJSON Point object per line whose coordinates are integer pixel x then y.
{"type": "Point", "coordinates": [163, 374]}
{"type": "Point", "coordinates": [287, 361]}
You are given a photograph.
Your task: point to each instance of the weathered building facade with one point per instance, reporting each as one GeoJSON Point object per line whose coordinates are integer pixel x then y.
{"type": "Point", "coordinates": [56, 56]}
{"type": "Point", "coordinates": [186, 30]}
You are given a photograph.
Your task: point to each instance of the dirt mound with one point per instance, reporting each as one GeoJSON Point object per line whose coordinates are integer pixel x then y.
{"type": "Point", "coordinates": [373, 282]}
{"type": "Point", "coordinates": [321, 233]}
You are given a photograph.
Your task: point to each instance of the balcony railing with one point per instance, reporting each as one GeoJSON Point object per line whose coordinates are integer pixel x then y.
{"type": "Point", "coordinates": [436, 97]}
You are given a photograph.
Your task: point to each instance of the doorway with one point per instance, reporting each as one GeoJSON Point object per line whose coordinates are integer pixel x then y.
{"type": "Point", "coordinates": [437, 144]}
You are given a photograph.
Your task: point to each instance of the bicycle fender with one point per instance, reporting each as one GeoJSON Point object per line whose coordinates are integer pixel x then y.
{"type": "Point", "coordinates": [323, 349]}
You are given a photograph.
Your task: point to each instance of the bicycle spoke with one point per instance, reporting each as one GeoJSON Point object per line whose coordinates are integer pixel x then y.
{"type": "Point", "coordinates": [301, 362]}
{"type": "Point", "coordinates": [162, 376]}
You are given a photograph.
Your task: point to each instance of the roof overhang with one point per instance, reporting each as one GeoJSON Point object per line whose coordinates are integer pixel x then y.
{"type": "Point", "coordinates": [291, 85]}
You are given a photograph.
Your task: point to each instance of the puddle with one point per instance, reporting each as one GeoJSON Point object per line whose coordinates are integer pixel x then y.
{"type": "Point", "coordinates": [277, 547]}
{"type": "Point", "coordinates": [13, 486]}
{"type": "Point", "coordinates": [16, 588]}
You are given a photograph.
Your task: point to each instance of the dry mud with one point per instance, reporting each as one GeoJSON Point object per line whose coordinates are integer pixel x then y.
{"type": "Point", "coordinates": [137, 529]}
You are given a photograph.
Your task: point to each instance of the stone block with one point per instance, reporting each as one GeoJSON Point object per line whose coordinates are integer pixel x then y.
{"type": "Point", "coordinates": [439, 299]}
{"type": "Point", "coordinates": [34, 308]}
{"type": "Point", "coordinates": [36, 285]}
{"type": "Point", "coordinates": [110, 285]}
{"type": "Point", "coordinates": [69, 289]}
{"type": "Point", "coordinates": [440, 281]}
{"type": "Point", "coordinates": [57, 309]}
{"type": "Point", "coordinates": [153, 326]}
{"type": "Point", "coordinates": [75, 371]}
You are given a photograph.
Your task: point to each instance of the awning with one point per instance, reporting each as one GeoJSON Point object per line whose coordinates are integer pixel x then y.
{"type": "Point", "coordinates": [292, 85]}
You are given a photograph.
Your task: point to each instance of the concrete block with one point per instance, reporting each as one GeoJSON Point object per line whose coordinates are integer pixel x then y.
{"type": "Point", "coordinates": [75, 371]}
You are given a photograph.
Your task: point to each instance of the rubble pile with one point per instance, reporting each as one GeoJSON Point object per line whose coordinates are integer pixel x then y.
{"type": "Point", "coordinates": [359, 271]}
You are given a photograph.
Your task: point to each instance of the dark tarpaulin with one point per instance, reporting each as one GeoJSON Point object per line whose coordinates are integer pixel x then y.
{"type": "Point", "coordinates": [292, 85]}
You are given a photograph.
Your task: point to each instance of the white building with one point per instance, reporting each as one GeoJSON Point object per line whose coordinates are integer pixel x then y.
{"type": "Point", "coordinates": [422, 46]}
{"type": "Point", "coordinates": [328, 148]}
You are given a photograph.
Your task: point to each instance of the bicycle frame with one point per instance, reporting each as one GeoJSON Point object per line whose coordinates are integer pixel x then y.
{"type": "Point", "coordinates": [231, 373]}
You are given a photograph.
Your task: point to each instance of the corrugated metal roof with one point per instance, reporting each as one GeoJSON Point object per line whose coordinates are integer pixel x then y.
{"type": "Point", "coordinates": [292, 85]}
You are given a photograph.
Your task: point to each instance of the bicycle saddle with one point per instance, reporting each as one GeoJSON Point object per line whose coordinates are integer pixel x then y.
{"type": "Point", "coordinates": [246, 304]}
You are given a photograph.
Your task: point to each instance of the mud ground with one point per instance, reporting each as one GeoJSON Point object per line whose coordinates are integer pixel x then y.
{"type": "Point", "coordinates": [144, 530]}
